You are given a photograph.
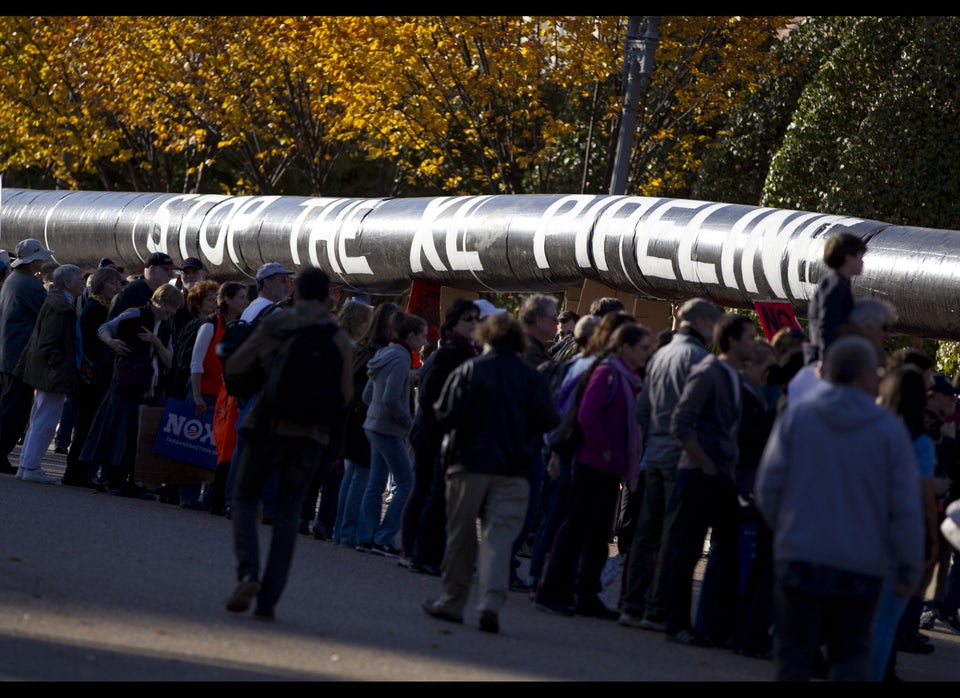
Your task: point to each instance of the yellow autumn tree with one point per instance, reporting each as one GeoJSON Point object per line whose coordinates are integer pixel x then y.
{"type": "Point", "coordinates": [443, 104]}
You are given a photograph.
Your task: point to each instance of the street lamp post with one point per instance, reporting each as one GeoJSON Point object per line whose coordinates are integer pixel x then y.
{"type": "Point", "coordinates": [640, 48]}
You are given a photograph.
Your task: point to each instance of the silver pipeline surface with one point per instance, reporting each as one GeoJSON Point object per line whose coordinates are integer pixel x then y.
{"type": "Point", "coordinates": [655, 247]}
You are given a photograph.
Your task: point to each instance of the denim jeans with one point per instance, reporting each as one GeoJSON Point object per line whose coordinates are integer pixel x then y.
{"type": "Point", "coordinates": [558, 492]}
{"type": "Point", "coordinates": [68, 419]}
{"type": "Point", "coordinates": [294, 460]}
{"type": "Point", "coordinates": [388, 456]}
{"type": "Point", "coordinates": [889, 609]}
{"type": "Point", "coordinates": [352, 487]}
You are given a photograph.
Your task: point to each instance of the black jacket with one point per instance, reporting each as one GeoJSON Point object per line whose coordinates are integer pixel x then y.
{"type": "Point", "coordinates": [495, 409]}
{"type": "Point", "coordinates": [453, 352]}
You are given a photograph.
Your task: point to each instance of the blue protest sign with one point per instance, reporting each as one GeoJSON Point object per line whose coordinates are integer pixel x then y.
{"type": "Point", "coordinates": [186, 437]}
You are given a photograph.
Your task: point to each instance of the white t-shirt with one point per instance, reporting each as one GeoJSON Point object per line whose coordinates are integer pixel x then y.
{"type": "Point", "coordinates": [801, 384]}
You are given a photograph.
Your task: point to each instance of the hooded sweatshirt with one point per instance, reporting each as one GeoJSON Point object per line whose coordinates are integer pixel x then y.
{"type": "Point", "coordinates": [388, 390]}
{"type": "Point", "coordinates": [839, 486]}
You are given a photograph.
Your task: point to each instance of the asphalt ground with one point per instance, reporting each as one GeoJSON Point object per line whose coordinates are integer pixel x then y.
{"type": "Point", "coordinates": [99, 588]}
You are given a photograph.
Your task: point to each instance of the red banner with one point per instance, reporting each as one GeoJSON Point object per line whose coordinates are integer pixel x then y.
{"type": "Point", "coordinates": [774, 315]}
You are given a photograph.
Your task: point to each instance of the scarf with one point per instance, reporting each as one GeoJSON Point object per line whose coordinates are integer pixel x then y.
{"type": "Point", "coordinates": [414, 356]}
{"type": "Point", "coordinates": [631, 384]}
{"type": "Point", "coordinates": [458, 340]}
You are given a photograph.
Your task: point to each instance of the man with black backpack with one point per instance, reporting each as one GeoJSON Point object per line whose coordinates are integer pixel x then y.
{"type": "Point", "coordinates": [281, 432]}
{"type": "Point", "coordinates": [273, 291]}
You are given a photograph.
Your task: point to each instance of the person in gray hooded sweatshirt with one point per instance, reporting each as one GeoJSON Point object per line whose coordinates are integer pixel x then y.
{"type": "Point", "coordinates": [389, 397]}
{"type": "Point", "coordinates": [838, 484]}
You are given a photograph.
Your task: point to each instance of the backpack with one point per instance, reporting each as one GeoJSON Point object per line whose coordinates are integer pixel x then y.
{"type": "Point", "coordinates": [555, 371]}
{"type": "Point", "coordinates": [303, 382]}
{"type": "Point", "coordinates": [181, 363]}
{"type": "Point", "coordinates": [236, 333]}
{"type": "Point", "coordinates": [567, 437]}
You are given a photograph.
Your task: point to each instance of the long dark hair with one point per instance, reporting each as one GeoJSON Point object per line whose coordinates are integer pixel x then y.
{"type": "Point", "coordinates": [904, 392]}
{"type": "Point", "coordinates": [628, 333]}
{"type": "Point", "coordinates": [380, 330]}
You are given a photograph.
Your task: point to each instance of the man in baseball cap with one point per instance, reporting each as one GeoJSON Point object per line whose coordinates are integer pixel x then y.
{"type": "Point", "coordinates": [272, 269]}
{"type": "Point", "coordinates": [161, 259]}
{"type": "Point", "coordinates": [274, 286]}
{"type": "Point", "coordinates": [159, 269]}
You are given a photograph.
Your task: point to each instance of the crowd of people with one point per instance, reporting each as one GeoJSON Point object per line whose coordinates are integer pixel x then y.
{"type": "Point", "coordinates": [705, 440]}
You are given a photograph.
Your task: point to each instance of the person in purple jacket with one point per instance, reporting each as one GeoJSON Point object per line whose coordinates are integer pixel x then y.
{"type": "Point", "coordinates": [611, 452]}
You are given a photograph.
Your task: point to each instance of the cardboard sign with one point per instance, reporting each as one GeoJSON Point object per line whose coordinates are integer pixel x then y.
{"type": "Point", "coordinates": [774, 315]}
{"type": "Point", "coordinates": [184, 436]}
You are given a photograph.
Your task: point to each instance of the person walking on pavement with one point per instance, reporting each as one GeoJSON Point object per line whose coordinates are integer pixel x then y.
{"type": "Point", "coordinates": [495, 409]}
{"type": "Point", "coordinates": [271, 444]}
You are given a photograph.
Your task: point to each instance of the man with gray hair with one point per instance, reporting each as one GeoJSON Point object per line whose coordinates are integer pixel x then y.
{"type": "Point", "coordinates": [50, 364]}
{"type": "Point", "coordinates": [538, 315]}
{"type": "Point", "coordinates": [872, 318]}
{"type": "Point", "coordinates": [642, 605]}
{"type": "Point", "coordinates": [839, 486]}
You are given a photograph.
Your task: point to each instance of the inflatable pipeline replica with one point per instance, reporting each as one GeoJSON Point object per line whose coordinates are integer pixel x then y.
{"type": "Point", "coordinates": [656, 248]}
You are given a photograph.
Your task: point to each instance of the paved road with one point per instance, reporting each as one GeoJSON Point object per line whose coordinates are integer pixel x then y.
{"type": "Point", "coordinates": [101, 588]}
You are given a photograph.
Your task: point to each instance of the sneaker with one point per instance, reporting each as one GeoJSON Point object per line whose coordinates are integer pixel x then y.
{"type": "Point", "coordinates": [517, 584]}
{"type": "Point", "coordinates": [404, 562]}
{"type": "Point", "coordinates": [35, 475]}
{"type": "Point", "coordinates": [425, 568]}
{"type": "Point", "coordinates": [363, 547]}
{"type": "Point", "coordinates": [927, 620]}
{"type": "Point", "coordinates": [431, 608]}
{"type": "Point", "coordinates": [628, 620]}
{"type": "Point", "coordinates": [386, 550]}
{"type": "Point", "coordinates": [489, 623]}
{"type": "Point", "coordinates": [60, 450]}
{"type": "Point", "coordinates": [245, 592]}
{"type": "Point", "coordinates": [689, 637]}
{"type": "Point", "coordinates": [952, 620]}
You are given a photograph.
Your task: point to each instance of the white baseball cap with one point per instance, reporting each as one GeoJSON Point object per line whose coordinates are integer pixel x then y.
{"type": "Point", "coordinates": [487, 308]}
